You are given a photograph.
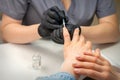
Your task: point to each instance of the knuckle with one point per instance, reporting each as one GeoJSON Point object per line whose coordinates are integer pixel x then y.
{"type": "Point", "coordinates": [95, 59]}
{"type": "Point", "coordinates": [92, 65]}
{"type": "Point", "coordinates": [108, 69]}
{"type": "Point", "coordinates": [90, 73]}
{"type": "Point", "coordinates": [107, 63]}
{"type": "Point", "coordinates": [106, 76]}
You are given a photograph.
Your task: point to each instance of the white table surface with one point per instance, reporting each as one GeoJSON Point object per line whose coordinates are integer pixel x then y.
{"type": "Point", "coordinates": [16, 60]}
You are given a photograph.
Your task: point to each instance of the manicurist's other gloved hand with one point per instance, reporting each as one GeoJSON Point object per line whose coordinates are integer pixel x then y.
{"type": "Point", "coordinates": [57, 34]}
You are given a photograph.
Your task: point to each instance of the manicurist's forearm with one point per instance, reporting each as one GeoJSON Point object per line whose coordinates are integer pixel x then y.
{"type": "Point", "coordinates": [17, 33]}
{"type": "Point", "coordinates": [101, 33]}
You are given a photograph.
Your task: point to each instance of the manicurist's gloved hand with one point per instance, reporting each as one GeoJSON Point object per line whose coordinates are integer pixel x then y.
{"type": "Point", "coordinates": [57, 34]}
{"type": "Point", "coordinates": [44, 32]}
{"type": "Point", "coordinates": [55, 16]}
{"type": "Point", "coordinates": [51, 20]}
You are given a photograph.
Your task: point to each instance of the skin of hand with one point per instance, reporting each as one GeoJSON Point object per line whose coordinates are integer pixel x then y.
{"type": "Point", "coordinates": [73, 48]}
{"type": "Point", "coordinates": [95, 66]}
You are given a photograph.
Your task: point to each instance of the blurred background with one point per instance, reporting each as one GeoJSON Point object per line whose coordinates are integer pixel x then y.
{"type": "Point", "coordinates": [117, 2]}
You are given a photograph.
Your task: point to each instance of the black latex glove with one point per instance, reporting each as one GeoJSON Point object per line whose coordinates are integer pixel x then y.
{"type": "Point", "coordinates": [44, 32]}
{"type": "Point", "coordinates": [51, 19]}
{"type": "Point", "coordinates": [55, 16]}
{"type": "Point", "coordinates": [57, 35]}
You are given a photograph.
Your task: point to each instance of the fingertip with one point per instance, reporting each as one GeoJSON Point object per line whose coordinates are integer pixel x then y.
{"type": "Point", "coordinates": [75, 38]}
{"type": "Point", "coordinates": [97, 51]}
{"type": "Point", "coordinates": [65, 31]}
{"type": "Point", "coordinates": [64, 28]}
{"type": "Point", "coordinates": [66, 36]}
{"type": "Point", "coordinates": [77, 30]}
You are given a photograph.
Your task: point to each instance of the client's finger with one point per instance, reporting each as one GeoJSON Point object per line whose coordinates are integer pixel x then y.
{"type": "Point", "coordinates": [88, 65]}
{"type": "Point", "coordinates": [66, 35]}
{"type": "Point", "coordinates": [88, 46]}
{"type": "Point", "coordinates": [90, 58]}
{"type": "Point", "coordinates": [75, 35]}
{"type": "Point", "coordinates": [81, 40]}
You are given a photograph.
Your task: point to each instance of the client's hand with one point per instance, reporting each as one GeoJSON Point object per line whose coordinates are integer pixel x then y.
{"type": "Point", "coordinates": [95, 66]}
{"type": "Point", "coordinates": [73, 48]}
{"type": "Point", "coordinates": [57, 34]}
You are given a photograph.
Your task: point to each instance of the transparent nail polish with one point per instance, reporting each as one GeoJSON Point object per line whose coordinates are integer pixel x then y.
{"type": "Point", "coordinates": [36, 61]}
